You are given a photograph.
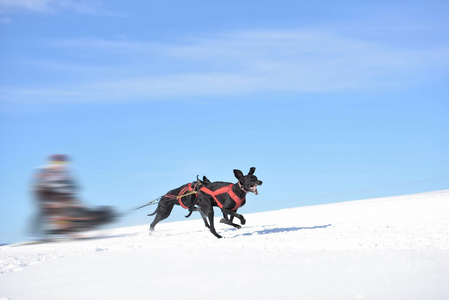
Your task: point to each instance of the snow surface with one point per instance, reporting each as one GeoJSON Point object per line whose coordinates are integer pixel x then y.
{"type": "Point", "coordinates": [386, 248]}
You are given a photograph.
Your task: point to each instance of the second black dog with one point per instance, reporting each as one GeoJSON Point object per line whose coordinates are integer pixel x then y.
{"type": "Point", "coordinates": [184, 195]}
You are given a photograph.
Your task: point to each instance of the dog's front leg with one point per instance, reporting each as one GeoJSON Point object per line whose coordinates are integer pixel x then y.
{"type": "Point", "coordinates": [204, 217]}
{"type": "Point", "coordinates": [234, 214]}
{"type": "Point", "coordinates": [212, 228]}
{"type": "Point", "coordinates": [241, 218]}
{"type": "Point", "coordinates": [191, 210]}
{"type": "Point", "coordinates": [228, 222]}
{"type": "Point", "coordinates": [211, 223]}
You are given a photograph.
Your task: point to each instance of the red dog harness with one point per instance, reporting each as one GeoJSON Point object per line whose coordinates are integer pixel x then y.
{"type": "Point", "coordinates": [188, 188]}
{"type": "Point", "coordinates": [182, 193]}
{"type": "Point", "coordinates": [225, 190]}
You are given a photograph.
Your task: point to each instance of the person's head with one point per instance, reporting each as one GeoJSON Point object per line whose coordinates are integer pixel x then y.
{"type": "Point", "coordinates": [58, 161]}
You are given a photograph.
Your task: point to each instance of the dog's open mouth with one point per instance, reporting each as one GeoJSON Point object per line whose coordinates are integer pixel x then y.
{"type": "Point", "coordinates": [253, 189]}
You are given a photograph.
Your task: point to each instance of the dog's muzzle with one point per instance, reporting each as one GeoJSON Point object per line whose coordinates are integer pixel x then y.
{"type": "Point", "coordinates": [254, 190]}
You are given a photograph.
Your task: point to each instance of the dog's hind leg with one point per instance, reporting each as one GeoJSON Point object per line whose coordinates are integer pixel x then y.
{"type": "Point", "coordinates": [164, 210]}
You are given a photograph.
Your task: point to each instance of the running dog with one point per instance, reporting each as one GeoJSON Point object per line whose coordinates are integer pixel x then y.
{"type": "Point", "coordinates": [185, 195]}
{"type": "Point", "coordinates": [228, 196]}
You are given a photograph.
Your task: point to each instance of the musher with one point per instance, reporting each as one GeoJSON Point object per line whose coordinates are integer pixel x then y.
{"type": "Point", "coordinates": [55, 192]}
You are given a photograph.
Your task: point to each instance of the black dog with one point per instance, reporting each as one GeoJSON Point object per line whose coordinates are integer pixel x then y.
{"type": "Point", "coordinates": [228, 196]}
{"type": "Point", "coordinates": [185, 195]}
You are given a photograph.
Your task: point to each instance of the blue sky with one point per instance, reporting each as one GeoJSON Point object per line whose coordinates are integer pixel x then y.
{"type": "Point", "coordinates": [330, 101]}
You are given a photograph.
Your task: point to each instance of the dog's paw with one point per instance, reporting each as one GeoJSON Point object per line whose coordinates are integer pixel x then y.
{"type": "Point", "coordinates": [242, 221]}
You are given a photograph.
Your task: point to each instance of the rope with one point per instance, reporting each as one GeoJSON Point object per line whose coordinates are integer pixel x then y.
{"type": "Point", "coordinates": [149, 203]}
{"type": "Point", "coordinates": [157, 200]}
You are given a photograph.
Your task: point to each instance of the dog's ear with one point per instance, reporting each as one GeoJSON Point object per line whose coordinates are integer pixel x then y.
{"type": "Point", "coordinates": [251, 170]}
{"type": "Point", "coordinates": [238, 174]}
{"type": "Point", "coordinates": [206, 180]}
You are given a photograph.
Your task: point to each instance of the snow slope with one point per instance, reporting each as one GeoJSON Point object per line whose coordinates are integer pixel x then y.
{"type": "Point", "coordinates": [386, 248]}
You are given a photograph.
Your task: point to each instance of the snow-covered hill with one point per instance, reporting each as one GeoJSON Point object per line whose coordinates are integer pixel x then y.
{"type": "Point", "coordinates": [386, 248]}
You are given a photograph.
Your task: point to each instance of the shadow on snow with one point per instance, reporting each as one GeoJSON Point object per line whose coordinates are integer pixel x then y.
{"type": "Point", "coordinates": [281, 230]}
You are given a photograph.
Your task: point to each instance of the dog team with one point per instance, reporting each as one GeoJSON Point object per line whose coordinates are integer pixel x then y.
{"type": "Point", "coordinates": [61, 212]}
{"type": "Point", "coordinates": [203, 195]}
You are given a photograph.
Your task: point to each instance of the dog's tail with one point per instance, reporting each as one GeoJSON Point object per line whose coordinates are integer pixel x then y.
{"type": "Point", "coordinates": [152, 214]}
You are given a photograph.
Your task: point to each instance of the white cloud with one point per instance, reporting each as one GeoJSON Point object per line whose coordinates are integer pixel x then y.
{"type": "Point", "coordinates": [244, 62]}
{"type": "Point", "coordinates": [36, 5]}
{"type": "Point", "coordinates": [79, 6]}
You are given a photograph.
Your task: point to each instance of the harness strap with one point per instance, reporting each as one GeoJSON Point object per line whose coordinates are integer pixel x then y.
{"type": "Point", "coordinates": [182, 192]}
{"type": "Point", "coordinates": [224, 190]}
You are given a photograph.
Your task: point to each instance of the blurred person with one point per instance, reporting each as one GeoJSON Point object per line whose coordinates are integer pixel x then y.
{"type": "Point", "coordinates": [59, 209]}
{"type": "Point", "coordinates": [54, 190]}
{"type": "Point", "coordinates": [54, 181]}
